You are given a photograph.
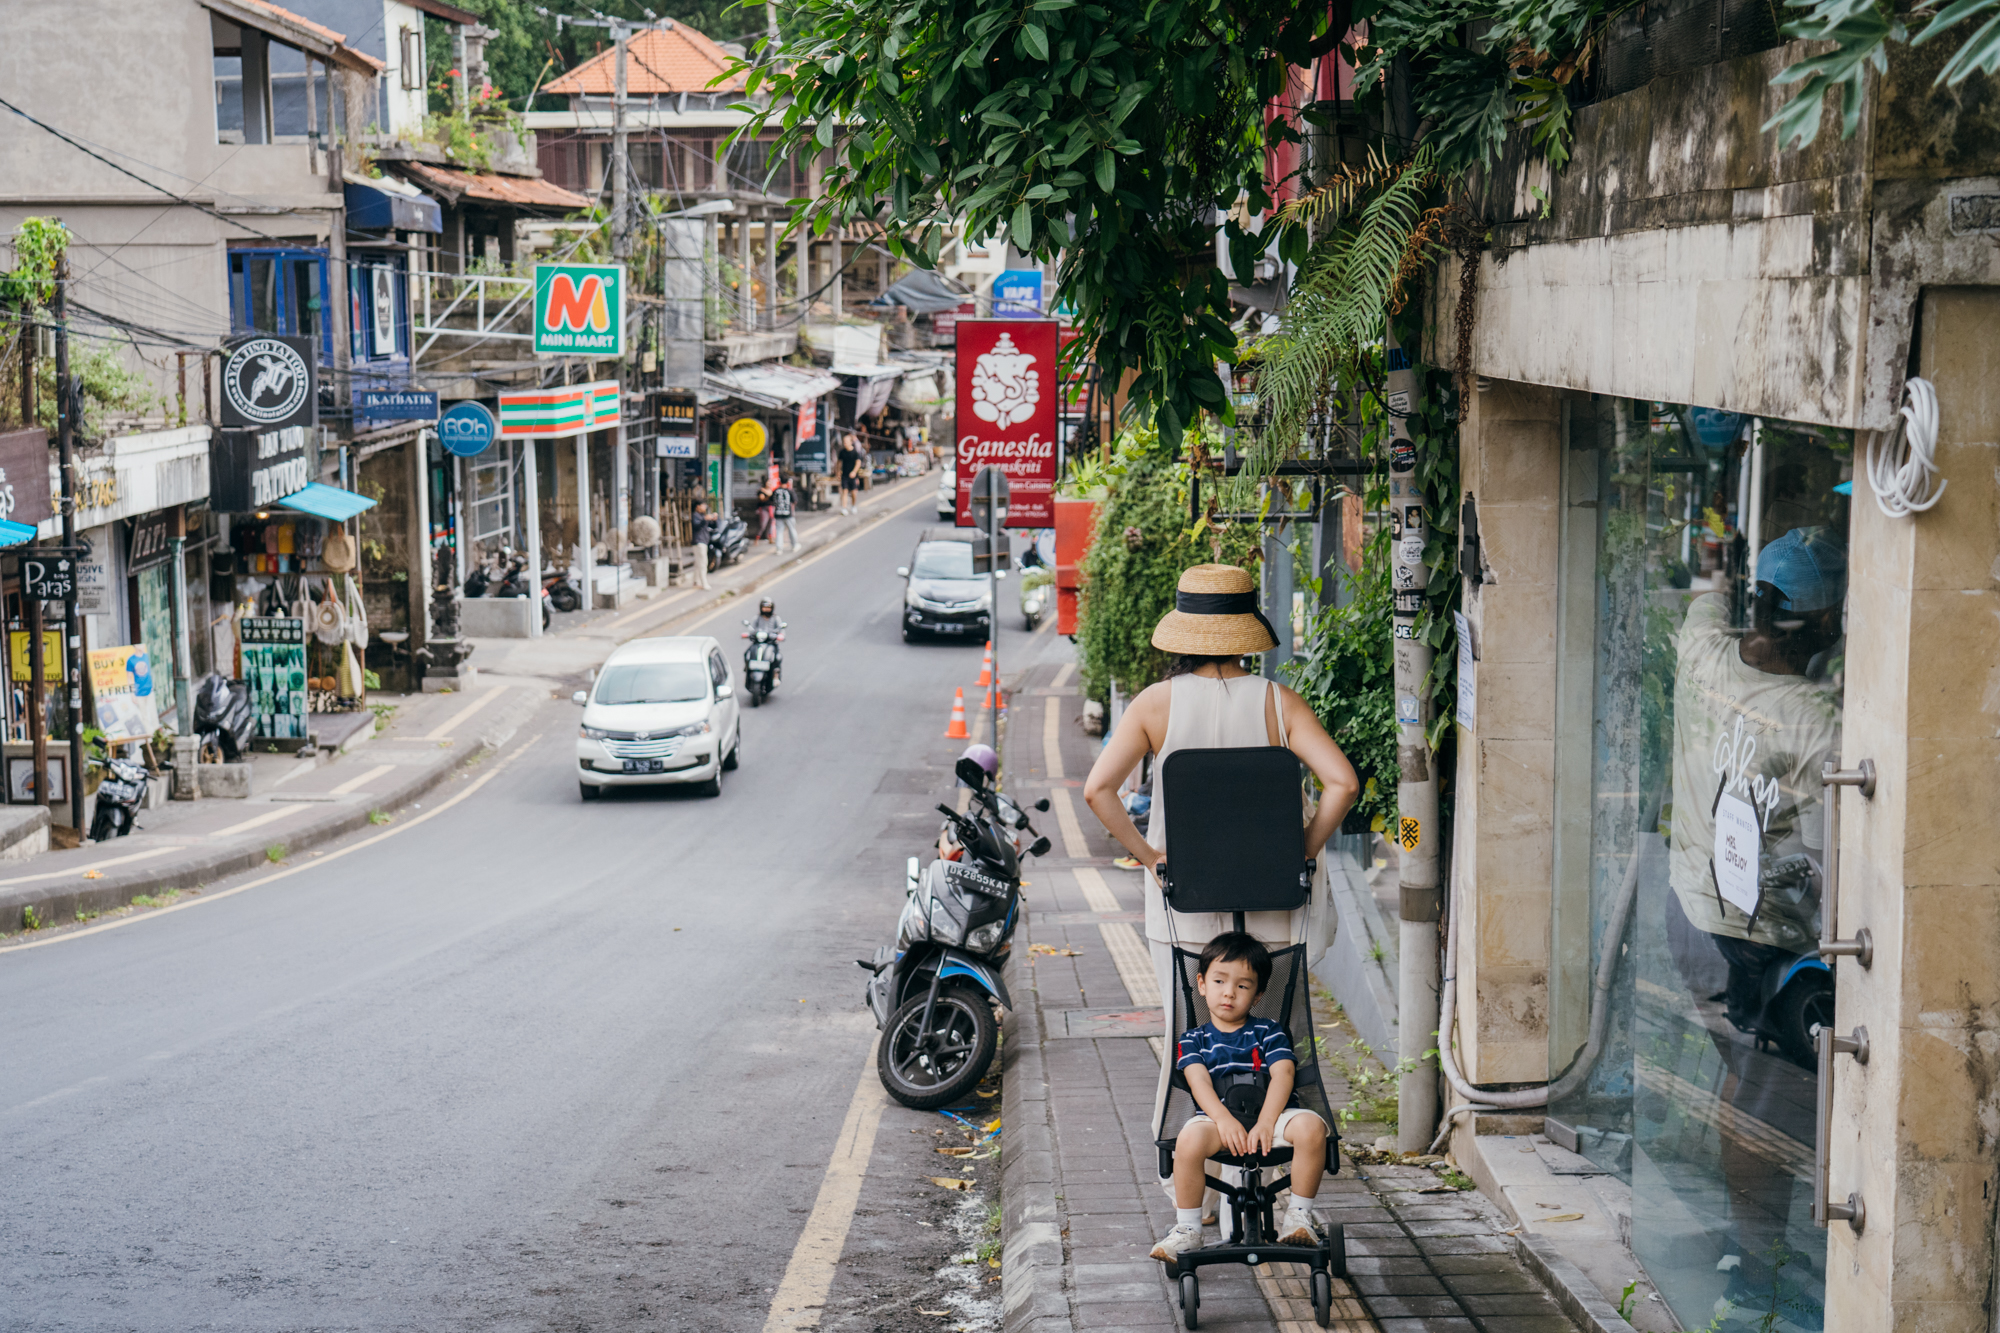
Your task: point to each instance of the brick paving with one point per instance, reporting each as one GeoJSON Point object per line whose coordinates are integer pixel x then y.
{"type": "Point", "coordinates": [1079, 1117]}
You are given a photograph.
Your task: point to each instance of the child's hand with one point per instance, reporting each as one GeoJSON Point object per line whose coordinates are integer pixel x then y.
{"type": "Point", "coordinates": [1262, 1135]}
{"type": "Point", "coordinates": [1234, 1137]}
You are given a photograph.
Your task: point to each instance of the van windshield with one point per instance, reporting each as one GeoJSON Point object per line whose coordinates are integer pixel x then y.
{"type": "Point", "coordinates": [652, 683]}
{"type": "Point", "coordinates": [943, 560]}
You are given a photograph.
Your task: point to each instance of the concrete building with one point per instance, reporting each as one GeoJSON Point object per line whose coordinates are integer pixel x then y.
{"type": "Point", "coordinates": [1681, 367]}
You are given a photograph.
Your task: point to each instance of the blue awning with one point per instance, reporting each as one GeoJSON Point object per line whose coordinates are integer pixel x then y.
{"type": "Point", "coordinates": [327, 502]}
{"type": "Point", "coordinates": [13, 534]}
{"type": "Point", "coordinates": [391, 205]}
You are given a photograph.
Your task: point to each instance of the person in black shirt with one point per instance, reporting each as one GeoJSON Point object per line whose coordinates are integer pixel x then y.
{"type": "Point", "coordinates": [782, 512]}
{"type": "Point", "coordinates": [852, 460]}
{"type": "Point", "coordinates": [701, 526]}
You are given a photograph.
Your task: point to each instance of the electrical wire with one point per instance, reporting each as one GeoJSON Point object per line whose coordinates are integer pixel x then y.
{"type": "Point", "coordinates": [1902, 467]}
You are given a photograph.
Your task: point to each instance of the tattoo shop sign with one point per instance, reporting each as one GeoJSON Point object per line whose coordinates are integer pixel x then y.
{"type": "Point", "coordinates": [251, 470]}
{"type": "Point", "coordinates": [268, 384]}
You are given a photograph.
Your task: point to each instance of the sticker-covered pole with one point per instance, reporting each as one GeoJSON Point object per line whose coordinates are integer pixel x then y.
{"type": "Point", "coordinates": [1415, 832]}
{"type": "Point", "coordinates": [66, 453]}
{"type": "Point", "coordinates": [533, 505]}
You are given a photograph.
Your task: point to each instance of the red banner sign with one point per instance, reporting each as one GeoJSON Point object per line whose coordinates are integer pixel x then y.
{"type": "Point", "coordinates": [1007, 397]}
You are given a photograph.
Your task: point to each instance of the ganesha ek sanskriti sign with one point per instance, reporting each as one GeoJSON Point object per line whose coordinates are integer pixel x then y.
{"type": "Point", "coordinates": [1008, 392]}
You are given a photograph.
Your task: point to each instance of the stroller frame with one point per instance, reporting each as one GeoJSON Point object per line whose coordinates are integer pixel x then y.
{"type": "Point", "coordinates": [1253, 1232]}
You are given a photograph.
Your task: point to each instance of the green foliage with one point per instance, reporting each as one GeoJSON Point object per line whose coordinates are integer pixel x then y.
{"type": "Point", "coordinates": [1345, 673]}
{"type": "Point", "coordinates": [102, 380]}
{"type": "Point", "coordinates": [39, 245]}
{"type": "Point", "coordinates": [1136, 556]}
{"type": "Point", "coordinates": [275, 853]}
{"type": "Point", "coordinates": [1106, 137]}
{"type": "Point", "coordinates": [30, 918]}
{"type": "Point", "coordinates": [464, 133]}
{"type": "Point", "coordinates": [1861, 31]}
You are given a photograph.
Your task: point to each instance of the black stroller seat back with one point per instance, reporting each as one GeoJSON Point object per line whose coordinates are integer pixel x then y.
{"type": "Point", "coordinates": [1287, 1001]}
{"type": "Point", "coordinates": [1235, 830]}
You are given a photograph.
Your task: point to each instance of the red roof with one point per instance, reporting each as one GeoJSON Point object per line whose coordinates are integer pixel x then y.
{"type": "Point", "coordinates": [678, 60]}
{"type": "Point", "coordinates": [490, 187]}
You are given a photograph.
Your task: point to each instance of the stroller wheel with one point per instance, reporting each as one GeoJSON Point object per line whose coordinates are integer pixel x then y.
{"type": "Point", "coordinates": [1190, 1299]}
{"type": "Point", "coordinates": [1322, 1287]}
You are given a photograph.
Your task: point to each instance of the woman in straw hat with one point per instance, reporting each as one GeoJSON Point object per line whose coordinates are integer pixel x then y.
{"type": "Point", "coordinates": [1208, 701]}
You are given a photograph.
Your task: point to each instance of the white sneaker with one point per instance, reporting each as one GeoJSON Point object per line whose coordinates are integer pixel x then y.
{"type": "Point", "coordinates": [1178, 1242]}
{"type": "Point", "coordinates": [1297, 1228]}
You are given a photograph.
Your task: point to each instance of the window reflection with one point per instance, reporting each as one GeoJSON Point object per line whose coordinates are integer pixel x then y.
{"type": "Point", "coordinates": [1704, 586]}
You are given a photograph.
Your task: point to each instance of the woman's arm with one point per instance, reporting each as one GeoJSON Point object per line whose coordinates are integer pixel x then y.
{"type": "Point", "coordinates": [1144, 718]}
{"type": "Point", "coordinates": [1317, 751]}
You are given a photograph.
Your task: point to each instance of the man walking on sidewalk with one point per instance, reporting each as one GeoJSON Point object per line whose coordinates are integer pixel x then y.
{"type": "Point", "coordinates": [701, 525]}
{"type": "Point", "coordinates": [852, 460]}
{"type": "Point", "coordinates": [782, 512]}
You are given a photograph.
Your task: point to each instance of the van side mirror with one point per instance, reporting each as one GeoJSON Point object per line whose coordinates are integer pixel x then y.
{"type": "Point", "coordinates": [725, 691]}
{"type": "Point", "coordinates": [902, 571]}
{"type": "Point", "coordinates": [580, 698]}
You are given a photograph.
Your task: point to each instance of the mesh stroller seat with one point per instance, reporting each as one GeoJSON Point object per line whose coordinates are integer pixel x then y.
{"type": "Point", "coordinates": [1252, 1240]}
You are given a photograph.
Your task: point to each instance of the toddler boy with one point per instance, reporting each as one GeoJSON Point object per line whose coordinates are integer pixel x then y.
{"type": "Point", "coordinates": [1232, 1046]}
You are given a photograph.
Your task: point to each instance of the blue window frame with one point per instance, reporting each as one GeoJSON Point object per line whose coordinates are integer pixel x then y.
{"type": "Point", "coordinates": [282, 291]}
{"type": "Point", "coordinates": [378, 303]}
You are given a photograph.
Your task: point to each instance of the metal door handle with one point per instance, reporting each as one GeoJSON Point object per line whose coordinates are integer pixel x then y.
{"type": "Point", "coordinates": [1826, 1044]}
{"type": "Point", "coordinates": [1862, 947]}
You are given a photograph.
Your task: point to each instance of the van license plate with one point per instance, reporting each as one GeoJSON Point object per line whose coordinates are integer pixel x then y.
{"type": "Point", "coordinates": [645, 765]}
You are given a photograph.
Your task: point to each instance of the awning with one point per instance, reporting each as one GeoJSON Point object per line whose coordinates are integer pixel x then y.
{"type": "Point", "coordinates": [387, 204]}
{"type": "Point", "coordinates": [923, 292]}
{"type": "Point", "coordinates": [454, 186]}
{"type": "Point", "coordinates": [769, 384]}
{"type": "Point", "coordinates": [13, 534]}
{"type": "Point", "coordinates": [327, 502]}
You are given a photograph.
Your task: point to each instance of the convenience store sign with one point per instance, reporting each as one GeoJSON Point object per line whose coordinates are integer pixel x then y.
{"type": "Point", "coordinates": [567, 410]}
{"type": "Point", "coordinates": [580, 310]}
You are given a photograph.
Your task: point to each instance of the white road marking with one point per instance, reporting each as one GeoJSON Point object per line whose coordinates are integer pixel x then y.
{"type": "Point", "coordinates": [363, 778]}
{"type": "Point", "coordinates": [449, 723]}
{"type": "Point", "coordinates": [258, 821]}
{"type": "Point", "coordinates": [1095, 892]}
{"type": "Point", "coordinates": [1052, 738]}
{"type": "Point", "coordinates": [801, 1295]}
{"type": "Point", "coordinates": [1074, 846]}
{"type": "Point", "coordinates": [1133, 961]}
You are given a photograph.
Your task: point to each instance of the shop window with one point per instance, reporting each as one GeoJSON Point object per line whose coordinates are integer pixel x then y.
{"type": "Point", "coordinates": [281, 291]}
{"type": "Point", "coordinates": [378, 306]}
{"type": "Point", "coordinates": [1698, 692]}
{"type": "Point", "coordinates": [491, 483]}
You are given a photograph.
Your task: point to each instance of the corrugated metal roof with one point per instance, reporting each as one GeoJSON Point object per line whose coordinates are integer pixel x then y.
{"type": "Point", "coordinates": [678, 60]}
{"type": "Point", "coordinates": [768, 384]}
{"type": "Point", "coordinates": [297, 30]}
{"type": "Point", "coordinates": [491, 187]}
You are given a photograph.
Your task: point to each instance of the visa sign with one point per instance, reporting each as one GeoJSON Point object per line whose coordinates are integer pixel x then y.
{"type": "Point", "coordinates": [580, 310]}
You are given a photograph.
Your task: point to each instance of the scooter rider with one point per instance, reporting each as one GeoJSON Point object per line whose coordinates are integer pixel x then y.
{"type": "Point", "coordinates": [767, 620]}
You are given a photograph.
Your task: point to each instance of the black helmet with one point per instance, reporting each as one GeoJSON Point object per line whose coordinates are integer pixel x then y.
{"type": "Point", "coordinates": [766, 607]}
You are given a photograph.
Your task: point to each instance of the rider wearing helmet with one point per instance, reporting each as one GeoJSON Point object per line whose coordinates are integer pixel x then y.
{"type": "Point", "coordinates": [767, 620]}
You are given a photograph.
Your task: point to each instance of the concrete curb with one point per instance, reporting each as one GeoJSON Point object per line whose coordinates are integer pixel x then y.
{"type": "Point", "coordinates": [1576, 1294]}
{"type": "Point", "coordinates": [1031, 1222]}
{"type": "Point", "coordinates": [1364, 984]}
{"type": "Point", "coordinates": [58, 900]}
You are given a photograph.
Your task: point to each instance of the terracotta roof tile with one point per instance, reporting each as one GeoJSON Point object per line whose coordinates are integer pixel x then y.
{"type": "Point", "coordinates": [679, 60]}
{"type": "Point", "coordinates": [490, 187]}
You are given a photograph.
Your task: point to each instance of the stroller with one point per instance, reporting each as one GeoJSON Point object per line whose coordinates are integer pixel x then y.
{"type": "Point", "coordinates": [1246, 855]}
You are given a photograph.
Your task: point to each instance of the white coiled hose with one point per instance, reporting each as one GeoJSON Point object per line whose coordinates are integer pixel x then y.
{"type": "Point", "coordinates": [1902, 467]}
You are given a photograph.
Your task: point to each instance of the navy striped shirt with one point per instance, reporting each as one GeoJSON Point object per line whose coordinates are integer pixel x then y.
{"type": "Point", "coordinates": [1230, 1052]}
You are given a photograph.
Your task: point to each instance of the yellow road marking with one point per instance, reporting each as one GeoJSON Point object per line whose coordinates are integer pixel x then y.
{"type": "Point", "coordinates": [801, 1295]}
{"type": "Point", "coordinates": [1095, 892]}
{"type": "Point", "coordinates": [1052, 737]}
{"type": "Point", "coordinates": [206, 898]}
{"type": "Point", "coordinates": [1062, 675]}
{"type": "Point", "coordinates": [258, 821]}
{"type": "Point", "coordinates": [1133, 961]}
{"type": "Point", "coordinates": [1074, 846]}
{"type": "Point", "coordinates": [94, 865]}
{"type": "Point", "coordinates": [466, 712]}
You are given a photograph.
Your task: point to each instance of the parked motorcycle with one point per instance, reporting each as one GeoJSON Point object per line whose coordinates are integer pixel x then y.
{"type": "Point", "coordinates": [514, 582]}
{"type": "Point", "coordinates": [1037, 588]}
{"type": "Point", "coordinates": [729, 541]}
{"type": "Point", "coordinates": [763, 666]}
{"type": "Point", "coordinates": [119, 796]}
{"type": "Point", "coordinates": [933, 990]}
{"type": "Point", "coordinates": [223, 719]}
{"type": "Point", "coordinates": [562, 593]}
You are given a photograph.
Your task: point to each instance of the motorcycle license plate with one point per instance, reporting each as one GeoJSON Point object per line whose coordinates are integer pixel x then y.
{"type": "Point", "coordinates": [645, 765]}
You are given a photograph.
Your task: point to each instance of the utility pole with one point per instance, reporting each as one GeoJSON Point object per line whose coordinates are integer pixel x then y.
{"type": "Point", "coordinates": [65, 446]}
{"type": "Point", "coordinates": [1416, 830]}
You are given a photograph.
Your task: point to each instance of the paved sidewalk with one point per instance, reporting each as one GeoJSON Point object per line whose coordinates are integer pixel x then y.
{"type": "Point", "coordinates": [1080, 1197]}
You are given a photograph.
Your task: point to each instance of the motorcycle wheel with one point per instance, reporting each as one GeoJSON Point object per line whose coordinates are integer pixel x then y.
{"type": "Point", "coordinates": [545, 615]}
{"type": "Point", "coordinates": [565, 598]}
{"type": "Point", "coordinates": [756, 697]}
{"type": "Point", "coordinates": [1793, 1014]}
{"type": "Point", "coordinates": [103, 824]}
{"type": "Point", "coordinates": [924, 1075]}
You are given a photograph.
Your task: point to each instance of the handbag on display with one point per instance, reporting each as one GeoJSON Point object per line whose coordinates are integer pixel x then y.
{"type": "Point", "coordinates": [329, 617]}
{"type": "Point", "coordinates": [338, 553]}
{"type": "Point", "coordinates": [357, 614]}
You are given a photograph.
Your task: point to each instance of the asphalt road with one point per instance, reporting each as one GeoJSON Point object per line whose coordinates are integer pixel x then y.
{"type": "Point", "coordinates": [531, 1064]}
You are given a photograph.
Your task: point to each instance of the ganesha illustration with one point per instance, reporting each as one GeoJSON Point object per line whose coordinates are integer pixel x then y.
{"type": "Point", "coordinates": [1005, 384]}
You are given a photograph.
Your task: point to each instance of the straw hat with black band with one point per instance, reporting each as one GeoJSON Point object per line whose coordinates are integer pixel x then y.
{"type": "Point", "coordinates": [1215, 615]}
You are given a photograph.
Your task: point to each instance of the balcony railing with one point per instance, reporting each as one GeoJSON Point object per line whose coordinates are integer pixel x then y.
{"type": "Point", "coordinates": [477, 306]}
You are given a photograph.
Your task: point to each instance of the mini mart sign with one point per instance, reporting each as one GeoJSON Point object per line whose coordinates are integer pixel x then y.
{"type": "Point", "coordinates": [580, 310]}
{"type": "Point", "coordinates": [567, 410]}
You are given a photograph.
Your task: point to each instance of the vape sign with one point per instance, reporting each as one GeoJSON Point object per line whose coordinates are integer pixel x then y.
{"type": "Point", "coordinates": [1008, 393]}
{"type": "Point", "coordinates": [580, 310]}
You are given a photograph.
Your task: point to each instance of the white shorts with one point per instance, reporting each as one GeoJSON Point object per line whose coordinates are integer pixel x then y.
{"type": "Point", "coordinates": [1285, 1118]}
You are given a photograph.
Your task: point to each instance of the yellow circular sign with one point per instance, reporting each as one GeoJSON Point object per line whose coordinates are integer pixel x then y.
{"type": "Point", "coordinates": [747, 437]}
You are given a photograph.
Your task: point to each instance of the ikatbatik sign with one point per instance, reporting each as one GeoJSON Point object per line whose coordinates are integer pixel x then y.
{"type": "Point", "coordinates": [1008, 393]}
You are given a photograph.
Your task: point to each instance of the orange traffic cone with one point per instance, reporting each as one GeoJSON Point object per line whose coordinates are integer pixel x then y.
{"type": "Point", "coordinates": [988, 702]}
{"type": "Point", "coordinates": [956, 731]}
{"type": "Point", "coordinates": [986, 667]}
